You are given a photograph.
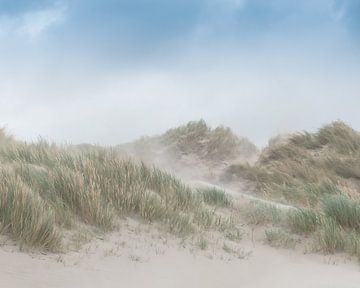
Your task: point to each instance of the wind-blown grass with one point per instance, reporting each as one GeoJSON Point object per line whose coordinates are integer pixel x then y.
{"type": "Point", "coordinates": [197, 138]}
{"type": "Point", "coordinates": [343, 210]}
{"type": "Point", "coordinates": [319, 173]}
{"type": "Point", "coordinates": [215, 197]}
{"type": "Point", "coordinates": [307, 167]}
{"type": "Point", "coordinates": [46, 188]}
{"type": "Point", "coordinates": [24, 214]}
{"type": "Point", "coordinates": [330, 238]}
{"type": "Point", "coordinates": [303, 221]}
{"type": "Point", "coordinates": [277, 237]}
{"type": "Point", "coordinates": [261, 213]}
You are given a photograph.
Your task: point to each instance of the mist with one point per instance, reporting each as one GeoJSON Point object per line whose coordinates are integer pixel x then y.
{"type": "Point", "coordinates": [118, 80]}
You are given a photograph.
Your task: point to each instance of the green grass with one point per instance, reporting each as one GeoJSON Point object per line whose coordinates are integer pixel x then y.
{"type": "Point", "coordinates": [277, 237]}
{"type": "Point", "coordinates": [303, 221]}
{"type": "Point", "coordinates": [343, 210]}
{"type": "Point", "coordinates": [318, 173]}
{"type": "Point", "coordinates": [215, 197]}
{"type": "Point", "coordinates": [203, 243]}
{"type": "Point", "coordinates": [330, 238]}
{"type": "Point", "coordinates": [260, 213]}
{"type": "Point", "coordinates": [353, 244]}
{"type": "Point", "coordinates": [307, 167]}
{"type": "Point", "coordinates": [340, 137]}
{"type": "Point", "coordinates": [47, 189]}
{"type": "Point", "coordinates": [197, 138]}
{"type": "Point", "coordinates": [24, 215]}
{"type": "Point", "coordinates": [234, 234]}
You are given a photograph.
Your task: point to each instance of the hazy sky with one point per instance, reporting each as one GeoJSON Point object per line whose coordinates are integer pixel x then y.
{"type": "Point", "coordinates": [106, 71]}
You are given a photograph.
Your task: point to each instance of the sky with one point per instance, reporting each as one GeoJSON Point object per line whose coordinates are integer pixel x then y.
{"type": "Point", "coordinates": [107, 72]}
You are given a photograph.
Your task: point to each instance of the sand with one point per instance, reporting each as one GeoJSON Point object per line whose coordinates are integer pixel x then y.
{"type": "Point", "coordinates": [139, 256]}
{"type": "Point", "coordinates": [142, 256]}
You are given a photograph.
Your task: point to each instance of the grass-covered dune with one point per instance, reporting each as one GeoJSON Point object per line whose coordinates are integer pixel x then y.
{"type": "Point", "coordinates": [46, 190]}
{"type": "Point", "coordinates": [319, 173]}
{"type": "Point", "coordinates": [216, 144]}
{"type": "Point", "coordinates": [195, 140]}
{"type": "Point", "coordinates": [306, 167]}
{"type": "Point", "coordinates": [49, 191]}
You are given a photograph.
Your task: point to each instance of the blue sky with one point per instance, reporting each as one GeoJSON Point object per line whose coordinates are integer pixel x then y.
{"type": "Point", "coordinates": [110, 71]}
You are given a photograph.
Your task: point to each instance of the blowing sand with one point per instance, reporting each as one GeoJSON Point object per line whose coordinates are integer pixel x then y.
{"type": "Point", "coordinates": [140, 256]}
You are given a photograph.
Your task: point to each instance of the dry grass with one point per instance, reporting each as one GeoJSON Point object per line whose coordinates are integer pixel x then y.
{"type": "Point", "coordinates": [307, 167]}
{"type": "Point", "coordinates": [24, 214]}
{"type": "Point", "coordinates": [215, 197]}
{"type": "Point", "coordinates": [303, 221]}
{"type": "Point", "coordinates": [344, 211]}
{"type": "Point", "coordinates": [277, 237]}
{"type": "Point", "coordinates": [319, 173]}
{"type": "Point", "coordinates": [197, 138]}
{"type": "Point", "coordinates": [47, 189]}
{"type": "Point", "coordinates": [258, 213]}
{"type": "Point", "coordinates": [330, 238]}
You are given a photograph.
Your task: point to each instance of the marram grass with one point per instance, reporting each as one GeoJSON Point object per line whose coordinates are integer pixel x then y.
{"type": "Point", "coordinates": [45, 189]}
{"type": "Point", "coordinates": [305, 168]}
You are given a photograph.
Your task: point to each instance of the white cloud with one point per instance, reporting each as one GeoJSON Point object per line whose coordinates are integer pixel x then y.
{"type": "Point", "coordinates": [32, 24]}
{"type": "Point", "coordinates": [37, 22]}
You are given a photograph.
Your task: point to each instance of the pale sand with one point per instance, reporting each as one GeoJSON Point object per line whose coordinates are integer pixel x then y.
{"type": "Point", "coordinates": [142, 257]}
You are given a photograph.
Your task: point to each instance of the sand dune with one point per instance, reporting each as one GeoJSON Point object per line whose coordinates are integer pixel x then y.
{"type": "Point", "coordinates": [168, 265]}
{"type": "Point", "coordinates": [147, 255]}
{"type": "Point", "coordinates": [142, 256]}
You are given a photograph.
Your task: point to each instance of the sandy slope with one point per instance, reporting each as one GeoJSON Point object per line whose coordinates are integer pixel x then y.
{"type": "Point", "coordinates": [128, 259]}
{"type": "Point", "coordinates": [143, 256]}
{"type": "Point", "coordinates": [266, 268]}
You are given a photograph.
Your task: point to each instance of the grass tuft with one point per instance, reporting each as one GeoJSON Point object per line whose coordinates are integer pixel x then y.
{"type": "Point", "coordinates": [303, 221]}
{"type": "Point", "coordinates": [277, 237]}
{"type": "Point", "coordinates": [261, 213]}
{"type": "Point", "coordinates": [197, 138]}
{"type": "Point", "coordinates": [343, 210]}
{"type": "Point", "coordinates": [24, 215]}
{"type": "Point", "coordinates": [215, 197]}
{"type": "Point", "coordinates": [330, 238]}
